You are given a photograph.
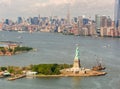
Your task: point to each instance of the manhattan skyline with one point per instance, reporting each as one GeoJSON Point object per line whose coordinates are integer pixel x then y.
{"type": "Point", "coordinates": [27, 8]}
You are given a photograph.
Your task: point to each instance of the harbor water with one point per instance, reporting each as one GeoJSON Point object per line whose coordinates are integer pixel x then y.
{"type": "Point", "coordinates": [58, 48]}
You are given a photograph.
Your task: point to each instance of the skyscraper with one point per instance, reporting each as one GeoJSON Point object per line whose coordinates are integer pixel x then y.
{"type": "Point", "coordinates": [20, 20]}
{"type": "Point", "coordinates": [35, 20]}
{"type": "Point", "coordinates": [98, 24]}
{"type": "Point", "coordinates": [68, 13]}
{"type": "Point", "coordinates": [117, 12]}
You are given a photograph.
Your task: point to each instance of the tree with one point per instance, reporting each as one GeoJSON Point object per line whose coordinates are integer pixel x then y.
{"type": "Point", "coordinates": [3, 68]}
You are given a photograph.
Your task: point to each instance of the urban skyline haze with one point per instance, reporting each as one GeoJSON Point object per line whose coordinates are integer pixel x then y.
{"type": "Point", "coordinates": [11, 9]}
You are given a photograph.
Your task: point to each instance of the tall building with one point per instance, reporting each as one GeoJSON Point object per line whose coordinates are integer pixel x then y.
{"type": "Point", "coordinates": [80, 21]}
{"type": "Point", "coordinates": [29, 20]}
{"type": "Point", "coordinates": [103, 21]}
{"type": "Point", "coordinates": [75, 19]}
{"type": "Point", "coordinates": [1, 26]}
{"type": "Point", "coordinates": [109, 22]}
{"type": "Point", "coordinates": [35, 21]}
{"type": "Point", "coordinates": [85, 21]}
{"type": "Point", "coordinates": [7, 21]}
{"type": "Point", "coordinates": [68, 14]}
{"type": "Point", "coordinates": [20, 20]}
{"type": "Point", "coordinates": [117, 12]}
{"type": "Point", "coordinates": [98, 25]}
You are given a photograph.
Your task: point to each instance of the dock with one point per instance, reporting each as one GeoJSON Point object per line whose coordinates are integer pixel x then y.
{"type": "Point", "coordinates": [16, 77]}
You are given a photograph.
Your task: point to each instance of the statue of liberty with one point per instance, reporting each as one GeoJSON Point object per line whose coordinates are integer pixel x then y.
{"type": "Point", "coordinates": [76, 63]}
{"type": "Point", "coordinates": [77, 53]}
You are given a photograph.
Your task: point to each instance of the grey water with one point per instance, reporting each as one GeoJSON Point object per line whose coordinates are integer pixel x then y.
{"type": "Point", "coordinates": [58, 48]}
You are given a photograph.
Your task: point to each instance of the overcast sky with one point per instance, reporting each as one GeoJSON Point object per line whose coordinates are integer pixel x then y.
{"type": "Point", "coordinates": [11, 9]}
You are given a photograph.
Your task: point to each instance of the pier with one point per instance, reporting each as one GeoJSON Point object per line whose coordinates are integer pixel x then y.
{"type": "Point", "coordinates": [16, 77]}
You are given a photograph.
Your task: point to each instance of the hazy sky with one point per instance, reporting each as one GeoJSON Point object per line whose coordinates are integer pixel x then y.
{"type": "Point", "coordinates": [28, 8]}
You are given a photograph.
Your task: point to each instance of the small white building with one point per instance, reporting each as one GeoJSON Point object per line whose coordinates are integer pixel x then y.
{"type": "Point", "coordinates": [30, 73]}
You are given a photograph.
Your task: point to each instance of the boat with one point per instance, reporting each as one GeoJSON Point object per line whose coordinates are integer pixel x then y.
{"type": "Point", "coordinates": [19, 37]}
{"type": "Point", "coordinates": [98, 67]}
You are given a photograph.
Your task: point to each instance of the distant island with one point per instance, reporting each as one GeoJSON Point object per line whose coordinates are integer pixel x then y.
{"type": "Point", "coordinates": [12, 48]}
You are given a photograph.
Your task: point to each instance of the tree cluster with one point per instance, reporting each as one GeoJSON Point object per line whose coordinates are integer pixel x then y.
{"type": "Point", "coordinates": [21, 49]}
{"type": "Point", "coordinates": [49, 69]}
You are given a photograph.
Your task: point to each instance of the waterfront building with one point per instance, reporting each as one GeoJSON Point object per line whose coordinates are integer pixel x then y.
{"type": "Point", "coordinates": [75, 19]}
{"type": "Point", "coordinates": [92, 29]}
{"type": "Point", "coordinates": [35, 21]}
{"type": "Point", "coordinates": [119, 32]}
{"type": "Point", "coordinates": [109, 22]}
{"type": "Point", "coordinates": [111, 32]}
{"type": "Point", "coordinates": [30, 73]}
{"type": "Point", "coordinates": [1, 26]}
{"type": "Point", "coordinates": [103, 21]}
{"type": "Point", "coordinates": [7, 21]}
{"type": "Point", "coordinates": [29, 20]}
{"type": "Point", "coordinates": [85, 31]}
{"type": "Point", "coordinates": [75, 30]}
{"type": "Point", "coordinates": [80, 21]}
{"type": "Point", "coordinates": [85, 21]}
{"type": "Point", "coordinates": [98, 25]}
{"type": "Point", "coordinates": [103, 31]}
{"type": "Point", "coordinates": [20, 20]}
{"type": "Point", "coordinates": [117, 12]}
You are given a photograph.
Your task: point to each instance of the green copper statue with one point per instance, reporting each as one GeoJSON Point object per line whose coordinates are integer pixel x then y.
{"type": "Point", "coordinates": [77, 55]}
